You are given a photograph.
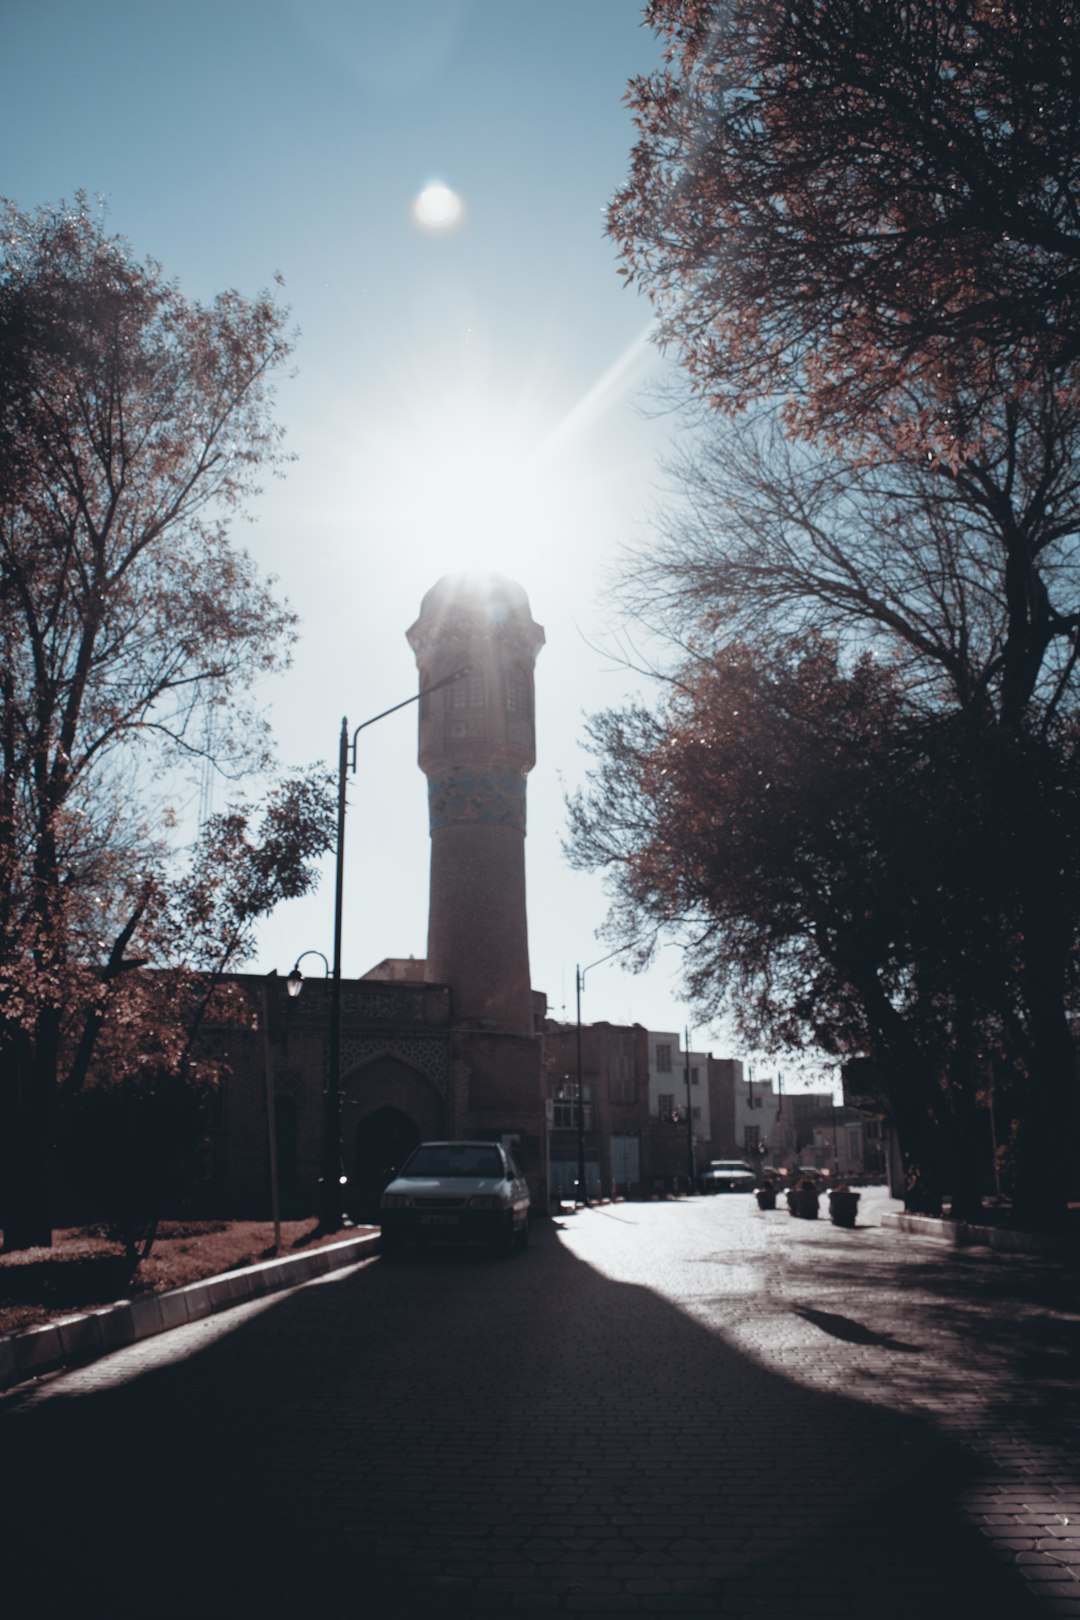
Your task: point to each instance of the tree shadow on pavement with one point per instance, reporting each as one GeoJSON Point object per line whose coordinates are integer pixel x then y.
{"type": "Point", "coordinates": [1014, 1320]}
{"type": "Point", "coordinates": [463, 1439]}
{"type": "Point", "coordinates": [843, 1327]}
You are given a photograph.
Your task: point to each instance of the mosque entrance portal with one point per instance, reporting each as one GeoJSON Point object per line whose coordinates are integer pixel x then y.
{"type": "Point", "coordinates": [381, 1145]}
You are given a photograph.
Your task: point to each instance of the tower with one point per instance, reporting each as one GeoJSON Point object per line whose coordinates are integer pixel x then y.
{"type": "Point", "coordinates": [477, 745]}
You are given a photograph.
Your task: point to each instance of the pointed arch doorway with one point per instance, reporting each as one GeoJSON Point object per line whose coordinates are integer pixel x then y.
{"type": "Point", "coordinates": [381, 1144]}
{"type": "Point", "coordinates": [390, 1106]}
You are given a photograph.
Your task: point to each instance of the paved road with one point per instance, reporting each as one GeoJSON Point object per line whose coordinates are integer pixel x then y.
{"type": "Point", "coordinates": [666, 1409]}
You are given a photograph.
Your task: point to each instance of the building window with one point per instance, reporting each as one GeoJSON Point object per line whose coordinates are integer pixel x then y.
{"type": "Point", "coordinates": [623, 1088]}
{"type": "Point", "coordinates": [565, 1106]}
{"type": "Point", "coordinates": [624, 1081]}
{"type": "Point", "coordinates": [751, 1138]}
{"type": "Point", "coordinates": [665, 1104]}
{"type": "Point", "coordinates": [693, 1077]}
{"type": "Point", "coordinates": [696, 1112]}
{"type": "Point", "coordinates": [470, 692]}
{"type": "Point", "coordinates": [663, 1059]}
{"type": "Point", "coordinates": [625, 1161]}
{"type": "Point", "coordinates": [517, 692]}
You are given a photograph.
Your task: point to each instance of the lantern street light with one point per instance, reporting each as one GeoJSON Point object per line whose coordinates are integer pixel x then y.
{"type": "Point", "coordinates": [333, 1179]}
{"type": "Point", "coordinates": [295, 982]}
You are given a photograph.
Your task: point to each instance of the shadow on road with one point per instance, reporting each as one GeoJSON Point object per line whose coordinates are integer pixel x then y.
{"type": "Point", "coordinates": [843, 1327]}
{"type": "Point", "coordinates": [1017, 1321]}
{"type": "Point", "coordinates": [468, 1437]}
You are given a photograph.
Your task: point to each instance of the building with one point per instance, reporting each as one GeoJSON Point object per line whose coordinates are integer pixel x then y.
{"type": "Point", "coordinates": [724, 1076]}
{"type": "Point", "coordinates": [450, 1044]}
{"type": "Point", "coordinates": [455, 1043]}
{"type": "Point", "coordinates": [755, 1117]}
{"type": "Point", "coordinates": [606, 1132]}
{"type": "Point", "coordinates": [633, 1132]}
{"type": "Point", "coordinates": [810, 1129]}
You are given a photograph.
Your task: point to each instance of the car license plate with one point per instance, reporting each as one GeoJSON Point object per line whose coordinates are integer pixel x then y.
{"type": "Point", "coordinates": [438, 1220]}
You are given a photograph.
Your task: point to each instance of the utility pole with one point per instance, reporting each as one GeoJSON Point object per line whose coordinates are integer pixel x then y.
{"type": "Point", "coordinates": [689, 1117]}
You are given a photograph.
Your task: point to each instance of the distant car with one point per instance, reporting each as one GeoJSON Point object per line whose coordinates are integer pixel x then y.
{"type": "Point", "coordinates": [810, 1172]}
{"type": "Point", "coordinates": [727, 1175]}
{"type": "Point", "coordinates": [456, 1192]}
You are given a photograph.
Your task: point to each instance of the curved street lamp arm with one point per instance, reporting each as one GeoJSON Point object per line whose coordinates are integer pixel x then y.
{"type": "Point", "coordinates": [581, 972]}
{"type": "Point", "coordinates": [300, 958]}
{"type": "Point", "coordinates": [447, 680]}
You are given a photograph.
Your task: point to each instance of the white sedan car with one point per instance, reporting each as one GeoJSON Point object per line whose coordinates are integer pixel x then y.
{"type": "Point", "coordinates": [456, 1192]}
{"type": "Point", "coordinates": [727, 1175]}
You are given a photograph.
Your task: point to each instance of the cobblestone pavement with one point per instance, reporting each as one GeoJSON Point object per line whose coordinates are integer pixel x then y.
{"type": "Point", "coordinates": [660, 1409]}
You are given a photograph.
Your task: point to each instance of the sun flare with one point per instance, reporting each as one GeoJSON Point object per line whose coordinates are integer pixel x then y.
{"type": "Point", "coordinates": [438, 208]}
{"type": "Point", "coordinates": [470, 493]}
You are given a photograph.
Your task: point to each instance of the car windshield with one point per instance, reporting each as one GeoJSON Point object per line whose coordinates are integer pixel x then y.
{"type": "Point", "coordinates": [454, 1159]}
{"type": "Point", "coordinates": [729, 1164]}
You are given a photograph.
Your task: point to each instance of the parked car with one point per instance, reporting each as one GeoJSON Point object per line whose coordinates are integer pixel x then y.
{"type": "Point", "coordinates": [727, 1175]}
{"type": "Point", "coordinates": [456, 1192]}
{"type": "Point", "coordinates": [810, 1172]}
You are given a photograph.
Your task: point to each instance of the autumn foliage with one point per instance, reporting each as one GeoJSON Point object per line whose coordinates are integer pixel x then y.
{"type": "Point", "coordinates": [841, 868]}
{"type": "Point", "coordinates": [857, 804]}
{"type": "Point", "coordinates": [867, 208]}
{"type": "Point", "coordinates": [134, 423]}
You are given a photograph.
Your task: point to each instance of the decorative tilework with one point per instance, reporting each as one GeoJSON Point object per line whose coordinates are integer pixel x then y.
{"type": "Point", "coordinates": [466, 794]}
{"type": "Point", "coordinates": [431, 1058]}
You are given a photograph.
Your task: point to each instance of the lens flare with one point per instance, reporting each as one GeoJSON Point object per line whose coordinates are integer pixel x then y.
{"type": "Point", "coordinates": [438, 208]}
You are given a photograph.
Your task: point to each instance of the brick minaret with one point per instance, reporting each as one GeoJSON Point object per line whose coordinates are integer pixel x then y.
{"type": "Point", "coordinates": [477, 744]}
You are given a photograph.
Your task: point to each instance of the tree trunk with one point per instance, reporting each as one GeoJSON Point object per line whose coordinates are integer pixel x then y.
{"type": "Point", "coordinates": [919, 1138]}
{"type": "Point", "coordinates": [29, 1085]}
{"type": "Point", "coordinates": [911, 1093]}
{"type": "Point", "coordinates": [1044, 1148]}
{"type": "Point", "coordinates": [968, 1166]}
{"type": "Point", "coordinates": [1045, 1142]}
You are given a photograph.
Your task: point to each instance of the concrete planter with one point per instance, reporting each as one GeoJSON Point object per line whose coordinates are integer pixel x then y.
{"type": "Point", "coordinates": [804, 1202]}
{"type": "Point", "coordinates": [843, 1206]}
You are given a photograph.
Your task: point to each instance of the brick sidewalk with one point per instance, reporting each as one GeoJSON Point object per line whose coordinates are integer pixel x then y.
{"type": "Point", "coordinates": [658, 1410]}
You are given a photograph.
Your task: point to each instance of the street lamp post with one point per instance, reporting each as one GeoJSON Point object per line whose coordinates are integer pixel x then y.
{"type": "Point", "coordinates": [271, 1113]}
{"type": "Point", "coordinates": [579, 980]}
{"type": "Point", "coordinates": [583, 1191]}
{"type": "Point", "coordinates": [689, 1119]}
{"type": "Point", "coordinates": [330, 1212]}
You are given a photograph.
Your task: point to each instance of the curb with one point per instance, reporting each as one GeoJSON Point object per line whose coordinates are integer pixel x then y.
{"type": "Point", "coordinates": [73, 1341]}
{"type": "Point", "coordinates": [962, 1235]}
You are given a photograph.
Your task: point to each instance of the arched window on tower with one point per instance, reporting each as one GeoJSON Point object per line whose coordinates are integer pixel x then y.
{"type": "Point", "coordinates": [470, 692]}
{"type": "Point", "coordinates": [517, 691]}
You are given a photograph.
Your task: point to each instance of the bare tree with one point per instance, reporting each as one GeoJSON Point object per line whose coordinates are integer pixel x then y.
{"type": "Point", "coordinates": [133, 424]}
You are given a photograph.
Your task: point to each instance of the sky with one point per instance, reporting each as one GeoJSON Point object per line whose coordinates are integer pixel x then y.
{"type": "Point", "coordinates": [474, 396]}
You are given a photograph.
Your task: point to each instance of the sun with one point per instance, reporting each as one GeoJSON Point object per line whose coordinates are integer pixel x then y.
{"type": "Point", "coordinates": [438, 208]}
